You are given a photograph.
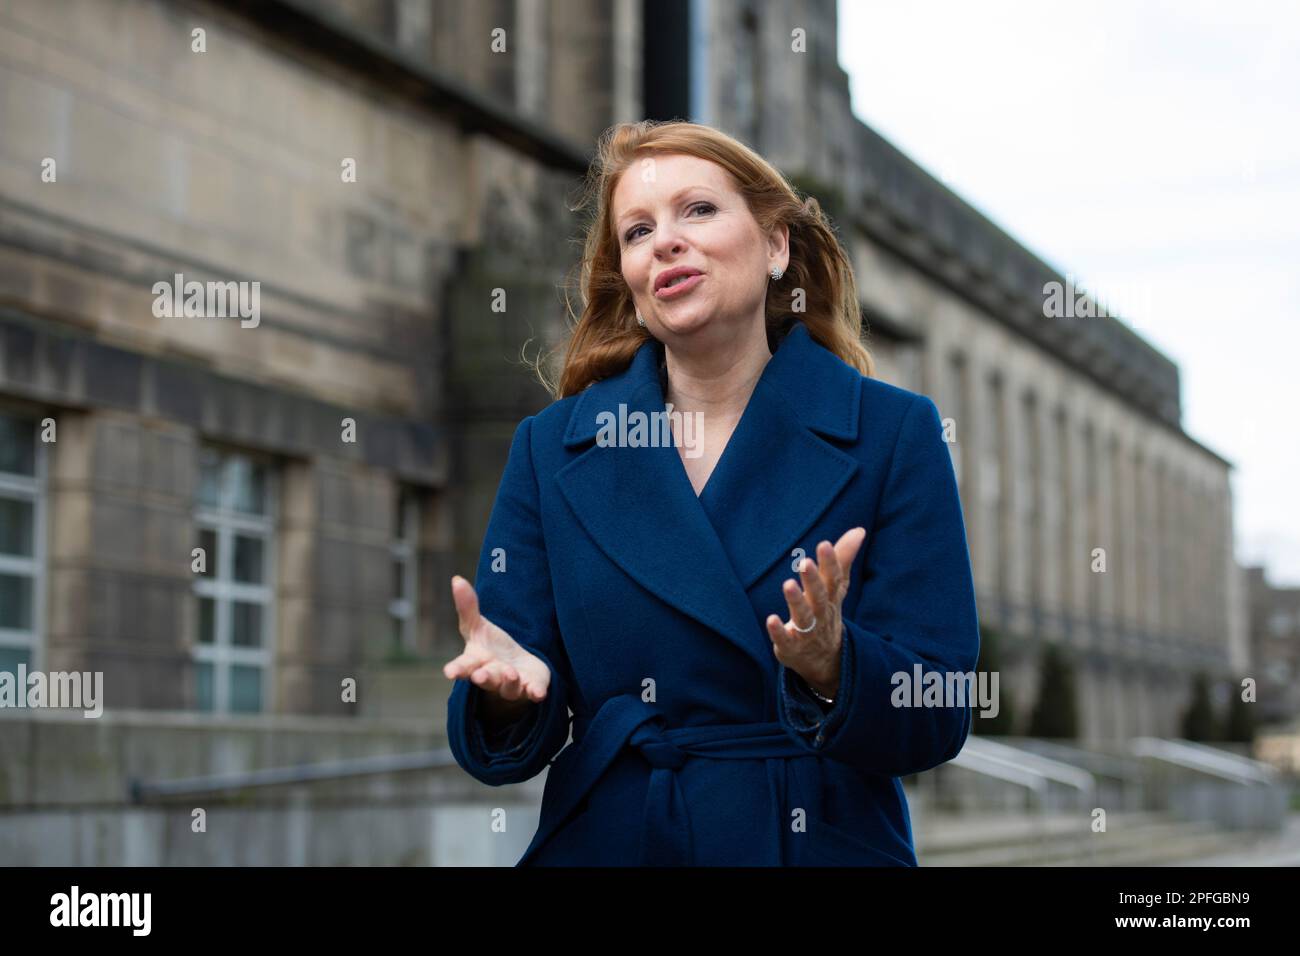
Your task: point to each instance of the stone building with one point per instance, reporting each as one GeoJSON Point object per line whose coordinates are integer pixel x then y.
{"type": "Point", "coordinates": [1067, 430]}
{"type": "Point", "coordinates": [1275, 647]}
{"type": "Point", "coordinates": [394, 175]}
{"type": "Point", "coordinates": [381, 180]}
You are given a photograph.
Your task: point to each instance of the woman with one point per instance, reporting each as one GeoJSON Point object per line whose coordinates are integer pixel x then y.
{"type": "Point", "coordinates": [730, 670]}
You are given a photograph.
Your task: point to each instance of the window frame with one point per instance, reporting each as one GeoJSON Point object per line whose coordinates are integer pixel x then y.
{"type": "Point", "coordinates": [404, 548]}
{"type": "Point", "coordinates": [32, 488]}
{"type": "Point", "coordinates": [221, 587]}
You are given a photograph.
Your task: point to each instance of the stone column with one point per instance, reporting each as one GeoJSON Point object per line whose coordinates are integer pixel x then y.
{"type": "Point", "coordinates": [1092, 538]}
{"type": "Point", "coordinates": [296, 566]}
{"type": "Point", "coordinates": [354, 580]}
{"type": "Point", "coordinates": [1050, 524]}
{"type": "Point", "coordinates": [963, 459]}
{"type": "Point", "coordinates": [582, 68]}
{"type": "Point", "coordinates": [1141, 543]}
{"type": "Point", "coordinates": [68, 508]}
{"type": "Point", "coordinates": [1016, 508]}
{"type": "Point", "coordinates": [1200, 546]}
{"type": "Point", "coordinates": [627, 37]}
{"type": "Point", "coordinates": [1163, 623]}
{"type": "Point", "coordinates": [996, 480]}
{"type": "Point", "coordinates": [1069, 545]}
{"type": "Point", "coordinates": [977, 432]}
{"type": "Point", "coordinates": [121, 530]}
{"type": "Point", "coordinates": [1179, 543]}
{"type": "Point", "coordinates": [1105, 527]}
{"type": "Point", "coordinates": [1033, 512]}
{"type": "Point", "coordinates": [1124, 565]}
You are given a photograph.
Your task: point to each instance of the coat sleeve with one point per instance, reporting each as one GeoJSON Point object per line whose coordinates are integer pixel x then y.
{"type": "Point", "coordinates": [520, 600]}
{"type": "Point", "coordinates": [916, 607]}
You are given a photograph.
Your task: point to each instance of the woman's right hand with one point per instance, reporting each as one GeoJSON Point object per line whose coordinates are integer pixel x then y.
{"type": "Point", "coordinates": [511, 677]}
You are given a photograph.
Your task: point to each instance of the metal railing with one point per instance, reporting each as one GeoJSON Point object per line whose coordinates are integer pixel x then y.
{"type": "Point", "coordinates": [144, 792]}
{"type": "Point", "coordinates": [1197, 782]}
{"type": "Point", "coordinates": [1208, 760]}
{"type": "Point", "coordinates": [1037, 775]}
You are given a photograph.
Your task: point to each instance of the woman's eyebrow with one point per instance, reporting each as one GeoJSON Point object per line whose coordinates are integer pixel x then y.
{"type": "Point", "coordinates": [639, 210]}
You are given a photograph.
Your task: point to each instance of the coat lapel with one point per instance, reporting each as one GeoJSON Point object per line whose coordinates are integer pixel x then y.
{"type": "Point", "coordinates": [775, 478]}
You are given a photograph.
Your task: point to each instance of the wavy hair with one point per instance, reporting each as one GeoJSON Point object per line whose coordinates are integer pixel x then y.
{"type": "Point", "coordinates": [606, 335]}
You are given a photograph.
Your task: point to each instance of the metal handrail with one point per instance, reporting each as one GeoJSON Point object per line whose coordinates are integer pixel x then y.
{"type": "Point", "coordinates": [981, 763]}
{"type": "Point", "coordinates": [1207, 760]}
{"type": "Point", "coordinates": [1054, 770]}
{"type": "Point", "coordinates": [1032, 771]}
{"type": "Point", "coordinates": [141, 792]}
{"type": "Point", "coordinates": [1097, 763]}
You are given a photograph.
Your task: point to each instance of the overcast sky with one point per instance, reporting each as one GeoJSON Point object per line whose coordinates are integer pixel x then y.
{"type": "Point", "coordinates": [1151, 149]}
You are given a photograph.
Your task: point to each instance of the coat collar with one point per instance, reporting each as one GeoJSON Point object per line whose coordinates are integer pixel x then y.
{"type": "Point", "coordinates": [798, 362]}
{"type": "Point", "coordinates": [776, 477]}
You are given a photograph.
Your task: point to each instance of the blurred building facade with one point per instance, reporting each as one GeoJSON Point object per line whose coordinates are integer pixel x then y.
{"type": "Point", "coordinates": [1275, 646]}
{"type": "Point", "coordinates": [336, 462]}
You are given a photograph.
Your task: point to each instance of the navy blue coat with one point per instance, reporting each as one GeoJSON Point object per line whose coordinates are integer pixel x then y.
{"type": "Point", "coordinates": [691, 743]}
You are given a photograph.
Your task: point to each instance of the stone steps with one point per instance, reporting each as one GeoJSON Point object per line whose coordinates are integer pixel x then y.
{"type": "Point", "coordinates": [1132, 839]}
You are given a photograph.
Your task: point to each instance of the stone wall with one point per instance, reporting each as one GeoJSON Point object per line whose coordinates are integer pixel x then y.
{"type": "Point", "coordinates": [66, 786]}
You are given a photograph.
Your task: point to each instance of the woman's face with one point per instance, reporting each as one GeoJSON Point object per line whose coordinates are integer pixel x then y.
{"type": "Point", "coordinates": [675, 212]}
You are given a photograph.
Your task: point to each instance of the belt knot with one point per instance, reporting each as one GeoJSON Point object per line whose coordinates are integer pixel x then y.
{"type": "Point", "coordinates": [661, 754]}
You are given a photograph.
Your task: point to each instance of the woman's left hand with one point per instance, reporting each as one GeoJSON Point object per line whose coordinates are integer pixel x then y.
{"type": "Point", "coordinates": [815, 656]}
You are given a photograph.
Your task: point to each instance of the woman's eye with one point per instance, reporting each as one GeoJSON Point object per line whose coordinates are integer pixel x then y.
{"type": "Point", "coordinates": [708, 207]}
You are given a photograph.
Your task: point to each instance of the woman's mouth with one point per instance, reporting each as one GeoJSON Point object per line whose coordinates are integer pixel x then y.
{"type": "Point", "coordinates": [680, 286]}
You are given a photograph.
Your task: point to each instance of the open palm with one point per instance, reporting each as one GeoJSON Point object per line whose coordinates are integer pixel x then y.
{"type": "Point", "coordinates": [493, 660]}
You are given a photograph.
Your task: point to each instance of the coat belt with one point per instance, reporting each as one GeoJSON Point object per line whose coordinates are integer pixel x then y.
{"type": "Point", "coordinates": [627, 720]}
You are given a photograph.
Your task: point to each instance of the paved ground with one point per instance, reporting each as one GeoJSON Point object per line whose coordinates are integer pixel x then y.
{"type": "Point", "coordinates": [1283, 851]}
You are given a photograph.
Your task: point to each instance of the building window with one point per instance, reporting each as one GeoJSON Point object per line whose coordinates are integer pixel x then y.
{"type": "Point", "coordinates": [1065, 490]}
{"type": "Point", "coordinates": [1092, 521]}
{"type": "Point", "coordinates": [749, 91]}
{"type": "Point", "coordinates": [997, 480]}
{"type": "Point", "coordinates": [22, 556]}
{"type": "Point", "coordinates": [1031, 491]}
{"type": "Point", "coordinates": [958, 405]}
{"type": "Point", "coordinates": [1141, 536]}
{"type": "Point", "coordinates": [404, 549]}
{"type": "Point", "coordinates": [234, 591]}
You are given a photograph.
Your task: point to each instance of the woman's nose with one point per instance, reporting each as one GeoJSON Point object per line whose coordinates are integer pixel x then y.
{"type": "Point", "coordinates": [668, 241]}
